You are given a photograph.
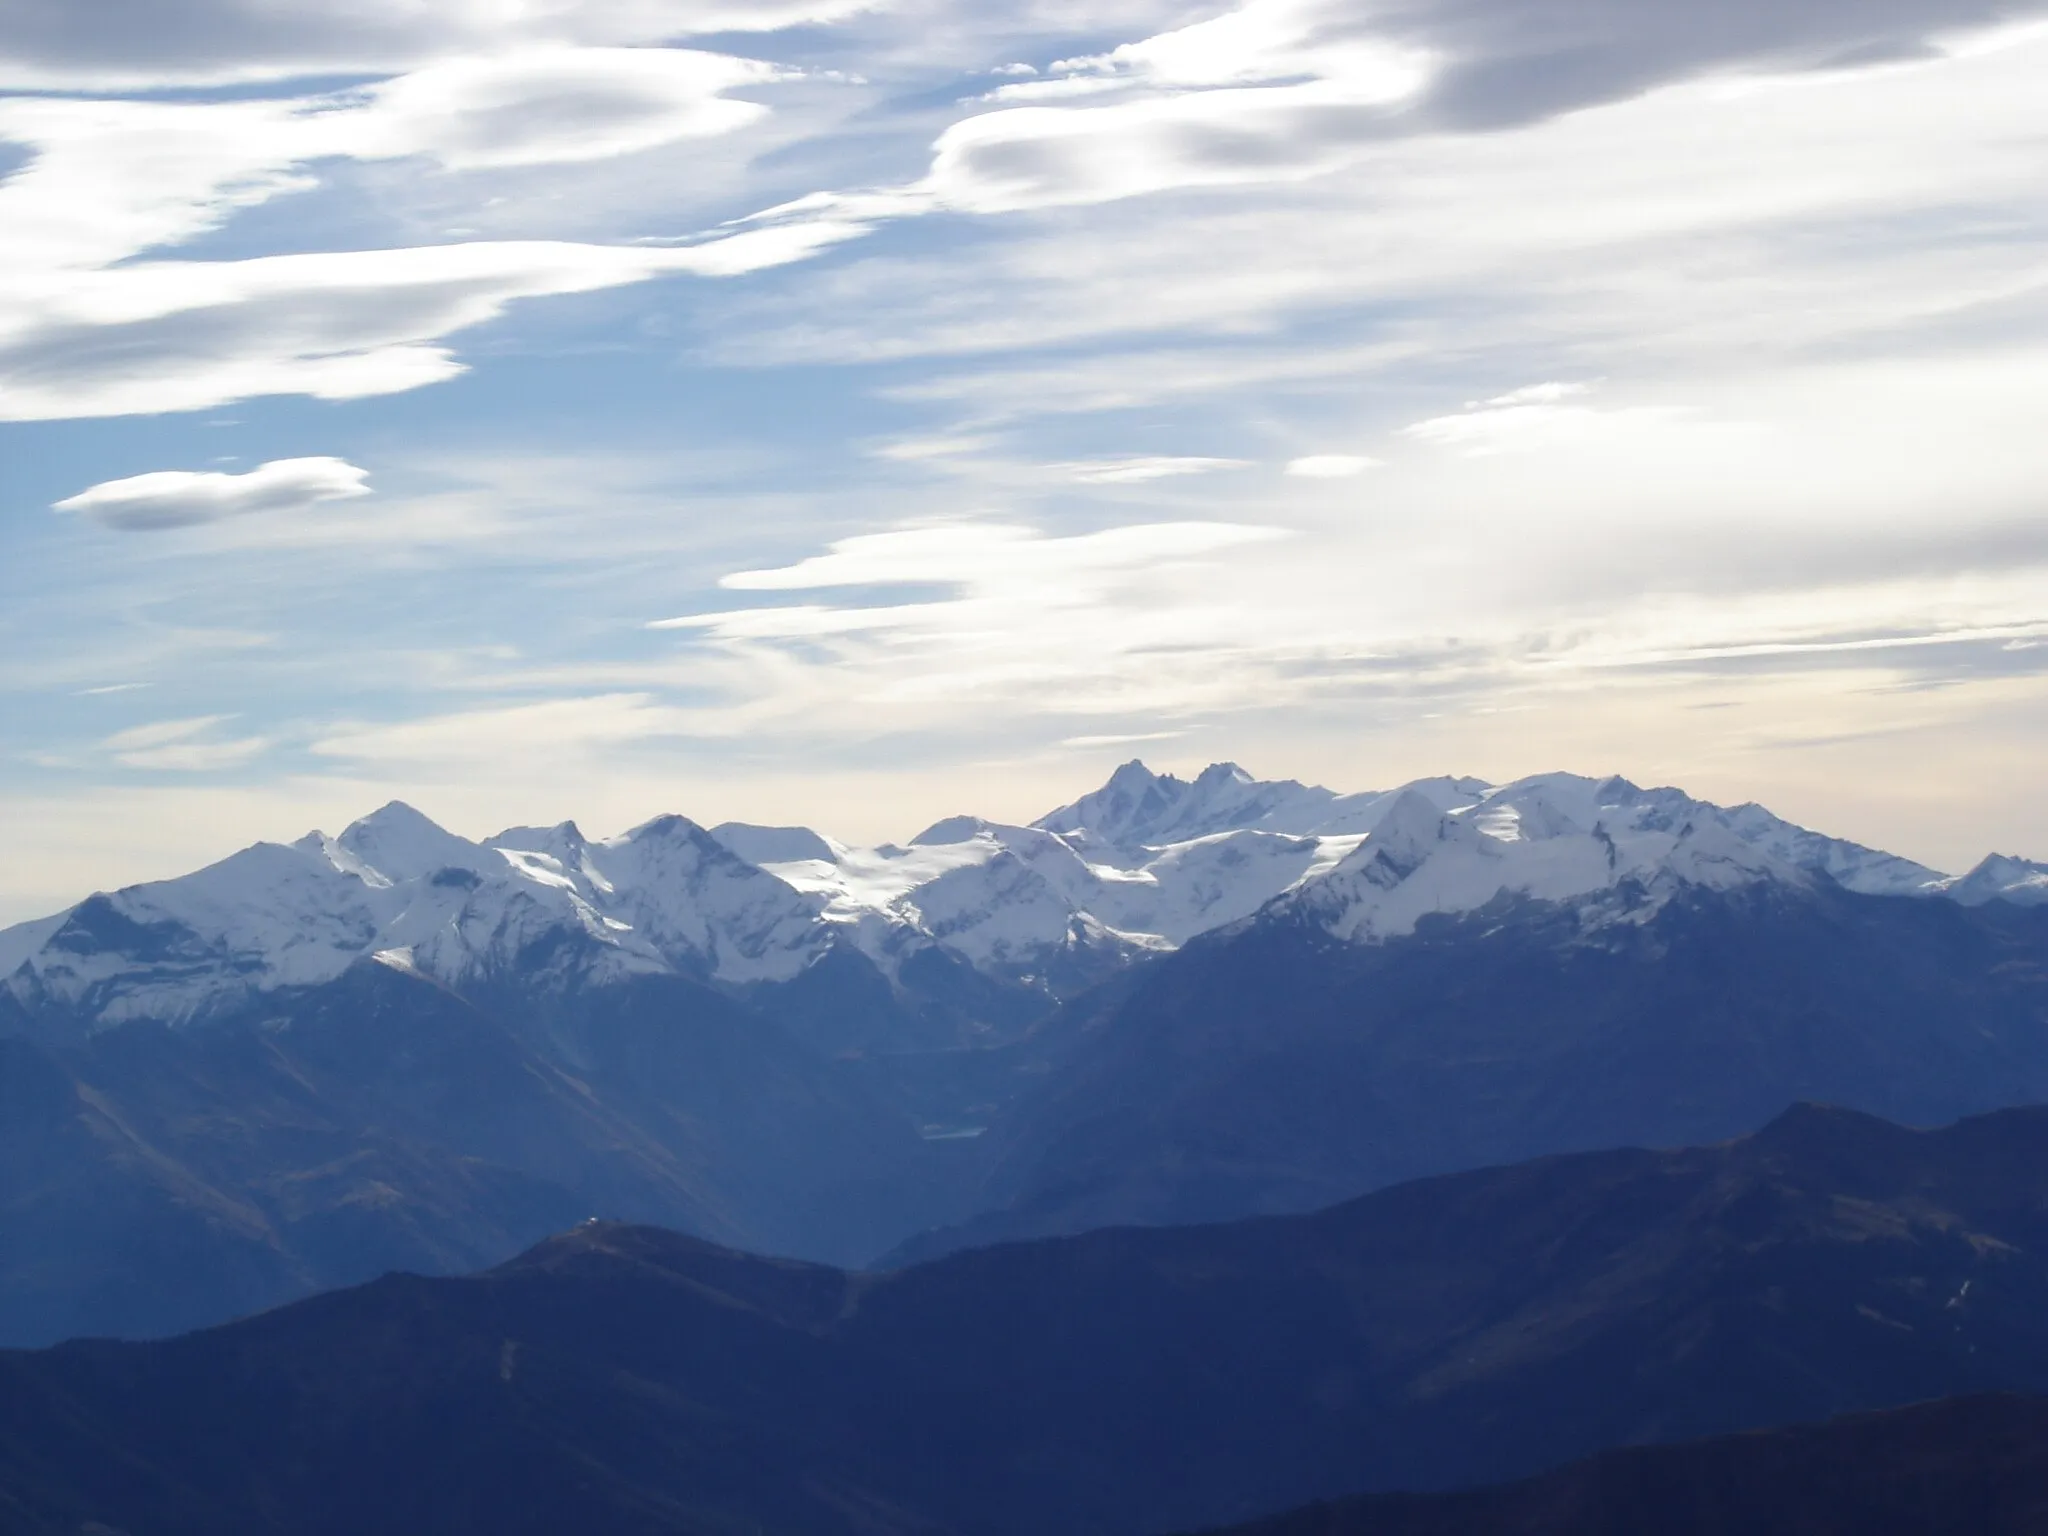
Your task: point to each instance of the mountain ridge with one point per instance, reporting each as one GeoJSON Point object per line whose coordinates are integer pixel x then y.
{"type": "Point", "coordinates": [1441, 1334]}
{"type": "Point", "coordinates": [1134, 869]}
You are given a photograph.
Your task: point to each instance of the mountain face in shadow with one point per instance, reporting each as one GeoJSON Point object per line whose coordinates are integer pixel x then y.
{"type": "Point", "coordinates": [154, 1179]}
{"type": "Point", "coordinates": [1975, 1466]}
{"type": "Point", "coordinates": [1442, 1334]}
{"type": "Point", "coordinates": [1274, 1068]}
{"type": "Point", "coordinates": [1168, 1001]}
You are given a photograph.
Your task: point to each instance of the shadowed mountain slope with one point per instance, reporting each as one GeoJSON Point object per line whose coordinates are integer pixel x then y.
{"type": "Point", "coordinates": [1442, 1334]}
{"type": "Point", "coordinates": [156, 1179]}
{"type": "Point", "coordinates": [1275, 1068]}
{"type": "Point", "coordinates": [1973, 1466]}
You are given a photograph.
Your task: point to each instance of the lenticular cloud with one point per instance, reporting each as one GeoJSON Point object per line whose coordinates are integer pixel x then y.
{"type": "Point", "coordinates": [182, 498]}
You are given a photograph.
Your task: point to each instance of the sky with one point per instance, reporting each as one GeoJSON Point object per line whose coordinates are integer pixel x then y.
{"type": "Point", "coordinates": [851, 414]}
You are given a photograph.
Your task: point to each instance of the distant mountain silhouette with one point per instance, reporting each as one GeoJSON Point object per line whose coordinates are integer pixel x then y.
{"type": "Point", "coordinates": [1442, 1334]}
{"type": "Point", "coordinates": [1973, 1466]}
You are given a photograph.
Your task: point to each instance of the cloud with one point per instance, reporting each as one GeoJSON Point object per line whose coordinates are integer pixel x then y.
{"type": "Point", "coordinates": [1042, 157]}
{"type": "Point", "coordinates": [108, 179]}
{"type": "Point", "coordinates": [548, 106]}
{"type": "Point", "coordinates": [183, 498]}
{"type": "Point", "coordinates": [1283, 90]}
{"type": "Point", "coordinates": [1567, 244]}
{"type": "Point", "coordinates": [87, 328]}
{"type": "Point", "coordinates": [179, 336]}
{"type": "Point", "coordinates": [1025, 624]}
{"type": "Point", "coordinates": [139, 44]}
{"type": "Point", "coordinates": [552, 730]}
{"type": "Point", "coordinates": [1330, 466]}
{"type": "Point", "coordinates": [1132, 471]}
{"type": "Point", "coordinates": [993, 558]}
{"type": "Point", "coordinates": [1526, 419]}
{"type": "Point", "coordinates": [1266, 94]}
{"type": "Point", "coordinates": [179, 746]}
{"type": "Point", "coordinates": [1123, 740]}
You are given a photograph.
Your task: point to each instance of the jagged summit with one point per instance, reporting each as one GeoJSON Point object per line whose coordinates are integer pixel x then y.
{"type": "Point", "coordinates": [1138, 808]}
{"type": "Point", "coordinates": [1142, 864]}
{"type": "Point", "coordinates": [1131, 803]}
{"type": "Point", "coordinates": [2002, 877]}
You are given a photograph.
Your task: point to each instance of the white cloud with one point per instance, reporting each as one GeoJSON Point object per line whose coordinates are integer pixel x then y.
{"type": "Point", "coordinates": [1026, 625]}
{"type": "Point", "coordinates": [1042, 157]}
{"type": "Point", "coordinates": [996, 558]}
{"type": "Point", "coordinates": [87, 329]}
{"type": "Point", "coordinates": [551, 731]}
{"type": "Point", "coordinates": [1532, 394]}
{"type": "Point", "coordinates": [1526, 419]}
{"type": "Point", "coordinates": [1581, 232]}
{"type": "Point", "coordinates": [1277, 91]}
{"type": "Point", "coordinates": [1148, 467]}
{"type": "Point", "coordinates": [1330, 466]}
{"type": "Point", "coordinates": [182, 746]}
{"type": "Point", "coordinates": [180, 336]}
{"type": "Point", "coordinates": [548, 106]}
{"type": "Point", "coordinates": [198, 756]}
{"type": "Point", "coordinates": [110, 179]}
{"type": "Point", "coordinates": [1124, 740]}
{"type": "Point", "coordinates": [161, 732]}
{"type": "Point", "coordinates": [182, 498]}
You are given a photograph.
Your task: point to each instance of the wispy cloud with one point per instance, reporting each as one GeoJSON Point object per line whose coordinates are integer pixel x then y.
{"type": "Point", "coordinates": [223, 42]}
{"type": "Point", "coordinates": [551, 730]}
{"type": "Point", "coordinates": [1135, 470]}
{"type": "Point", "coordinates": [186, 745]}
{"type": "Point", "coordinates": [87, 330]}
{"type": "Point", "coordinates": [883, 487]}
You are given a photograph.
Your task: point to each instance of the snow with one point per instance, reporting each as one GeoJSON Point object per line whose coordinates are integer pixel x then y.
{"type": "Point", "coordinates": [1618, 852]}
{"type": "Point", "coordinates": [2002, 877]}
{"type": "Point", "coordinates": [401, 844]}
{"type": "Point", "coordinates": [1850, 865]}
{"type": "Point", "coordinates": [1138, 808]}
{"type": "Point", "coordinates": [776, 845]}
{"type": "Point", "coordinates": [1141, 865]}
{"type": "Point", "coordinates": [702, 907]}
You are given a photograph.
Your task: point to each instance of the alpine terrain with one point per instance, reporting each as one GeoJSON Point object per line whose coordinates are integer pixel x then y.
{"type": "Point", "coordinates": [1171, 1000]}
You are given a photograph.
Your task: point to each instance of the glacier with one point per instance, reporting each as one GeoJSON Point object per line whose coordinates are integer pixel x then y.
{"type": "Point", "coordinates": [1140, 866]}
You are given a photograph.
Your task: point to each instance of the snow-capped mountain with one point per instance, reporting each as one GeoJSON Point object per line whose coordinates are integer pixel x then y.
{"type": "Point", "coordinates": [1618, 851]}
{"type": "Point", "coordinates": [2000, 877]}
{"type": "Point", "coordinates": [397, 888]}
{"type": "Point", "coordinates": [1140, 809]}
{"type": "Point", "coordinates": [1137, 867]}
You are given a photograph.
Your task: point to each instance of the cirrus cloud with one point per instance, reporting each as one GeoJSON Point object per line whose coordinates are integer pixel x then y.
{"type": "Point", "coordinates": [1145, 467]}
{"type": "Point", "coordinates": [183, 746]}
{"type": "Point", "coordinates": [138, 44]}
{"type": "Point", "coordinates": [88, 329]}
{"type": "Point", "coordinates": [343, 325]}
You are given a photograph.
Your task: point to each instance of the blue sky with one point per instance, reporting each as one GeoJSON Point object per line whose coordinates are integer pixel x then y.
{"type": "Point", "coordinates": [854, 413]}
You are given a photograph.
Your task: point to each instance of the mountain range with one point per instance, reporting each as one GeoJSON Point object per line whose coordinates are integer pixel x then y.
{"type": "Point", "coordinates": [1135, 868]}
{"type": "Point", "coordinates": [1168, 1001]}
{"type": "Point", "coordinates": [1457, 1331]}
